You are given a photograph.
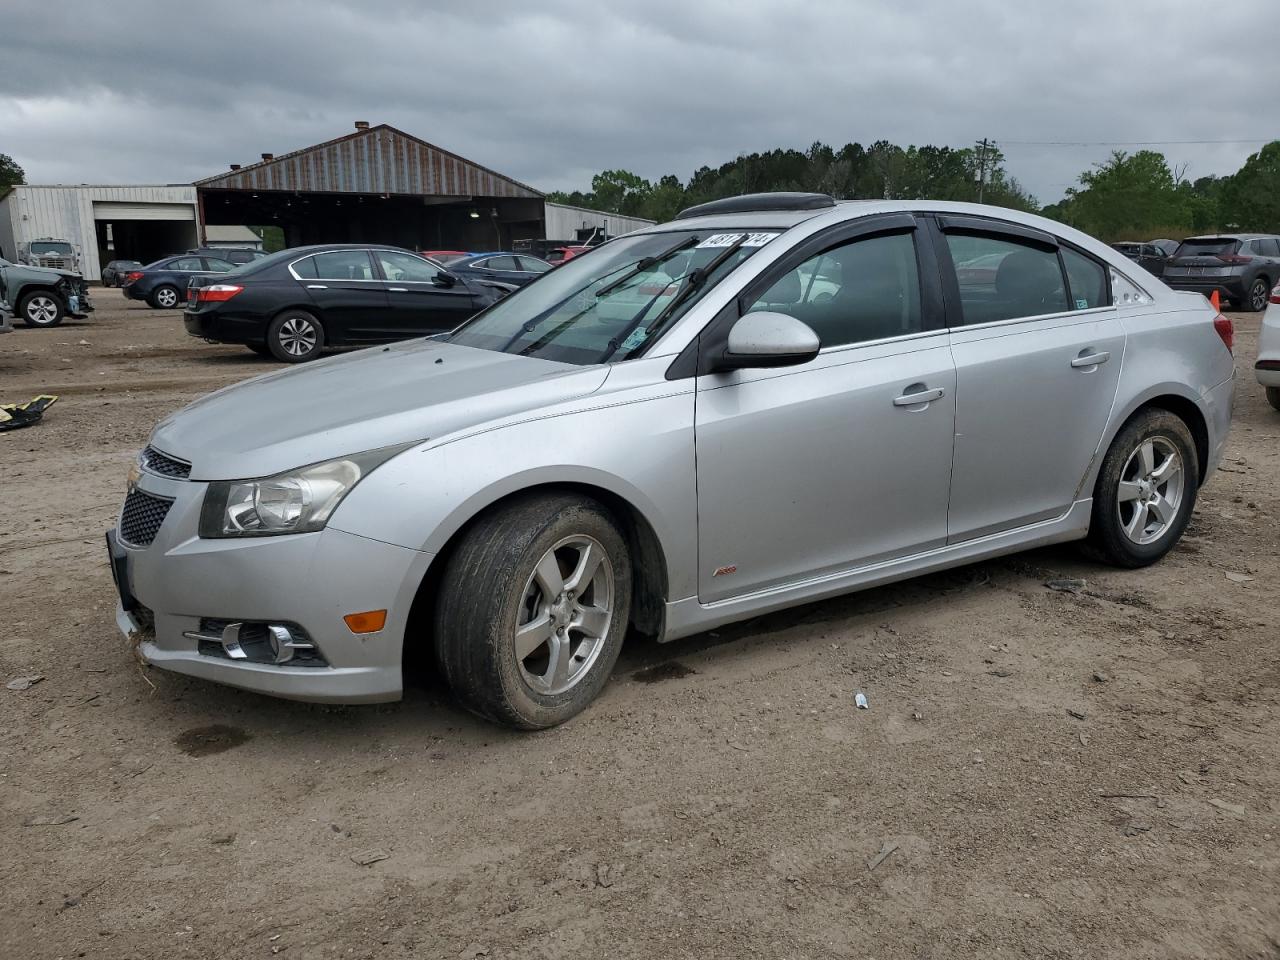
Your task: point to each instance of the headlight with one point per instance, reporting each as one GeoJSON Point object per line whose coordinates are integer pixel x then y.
{"type": "Point", "coordinates": [299, 501]}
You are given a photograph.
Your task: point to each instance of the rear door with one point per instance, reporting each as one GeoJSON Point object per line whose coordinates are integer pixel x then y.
{"type": "Point", "coordinates": [416, 302]}
{"type": "Point", "coordinates": [1038, 349]}
{"type": "Point", "coordinates": [347, 293]}
{"type": "Point", "coordinates": [844, 461]}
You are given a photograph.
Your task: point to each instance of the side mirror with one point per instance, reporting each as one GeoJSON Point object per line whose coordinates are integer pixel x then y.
{"type": "Point", "coordinates": [767, 339]}
{"type": "Point", "coordinates": [444, 279]}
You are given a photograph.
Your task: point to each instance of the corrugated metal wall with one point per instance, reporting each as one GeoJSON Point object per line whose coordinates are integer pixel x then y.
{"type": "Point", "coordinates": [66, 213]}
{"type": "Point", "coordinates": [563, 222]}
{"type": "Point", "coordinates": [378, 160]}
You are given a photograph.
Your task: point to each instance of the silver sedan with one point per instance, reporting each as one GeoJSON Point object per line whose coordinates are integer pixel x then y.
{"type": "Point", "coordinates": [770, 400]}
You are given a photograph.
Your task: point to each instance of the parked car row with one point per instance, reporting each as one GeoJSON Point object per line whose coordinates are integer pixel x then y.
{"type": "Point", "coordinates": [1241, 267]}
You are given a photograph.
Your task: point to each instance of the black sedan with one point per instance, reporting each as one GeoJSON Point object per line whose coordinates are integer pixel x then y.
{"type": "Point", "coordinates": [163, 284]}
{"type": "Point", "coordinates": [292, 304]}
{"type": "Point", "coordinates": [513, 268]}
{"type": "Point", "coordinates": [113, 273]}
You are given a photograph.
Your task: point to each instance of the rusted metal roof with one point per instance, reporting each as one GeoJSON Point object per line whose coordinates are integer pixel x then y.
{"type": "Point", "coordinates": [380, 159]}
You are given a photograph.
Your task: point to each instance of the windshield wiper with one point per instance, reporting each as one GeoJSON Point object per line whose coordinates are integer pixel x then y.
{"type": "Point", "coordinates": [647, 263]}
{"type": "Point", "coordinates": [696, 279]}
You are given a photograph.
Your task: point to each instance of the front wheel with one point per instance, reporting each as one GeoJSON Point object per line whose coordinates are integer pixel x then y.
{"type": "Point", "coordinates": [1259, 294]}
{"type": "Point", "coordinates": [1146, 490]}
{"type": "Point", "coordinates": [42, 308]}
{"type": "Point", "coordinates": [532, 610]}
{"type": "Point", "coordinates": [295, 336]}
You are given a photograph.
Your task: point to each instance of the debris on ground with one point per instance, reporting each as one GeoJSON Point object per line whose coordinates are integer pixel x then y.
{"type": "Point", "coordinates": [885, 852]}
{"type": "Point", "coordinates": [24, 683]}
{"type": "Point", "coordinates": [1078, 714]}
{"type": "Point", "coordinates": [1233, 808]}
{"type": "Point", "coordinates": [473, 951]}
{"type": "Point", "coordinates": [369, 857]}
{"type": "Point", "coordinates": [860, 699]}
{"type": "Point", "coordinates": [1100, 677]}
{"type": "Point", "coordinates": [1067, 586]}
{"type": "Point", "coordinates": [49, 820]}
{"type": "Point", "coordinates": [1237, 577]}
{"type": "Point", "coordinates": [14, 415]}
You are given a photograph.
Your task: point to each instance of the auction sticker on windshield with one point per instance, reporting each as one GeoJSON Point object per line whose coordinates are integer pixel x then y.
{"type": "Point", "coordinates": [729, 239]}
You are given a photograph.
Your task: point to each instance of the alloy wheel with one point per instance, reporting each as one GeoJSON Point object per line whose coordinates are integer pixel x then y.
{"type": "Point", "coordinates": [42, 310]}
{"type": "Point", "coordinates": [565, 615]}
{"type": "Point", "coordinates": [298, 336]}
{"type": "Point", "coordinates": [1150, 490]}
{"type": "Point", "coordinates": [1258, 296]}
{"type": "Point", "coordinates": [167, 298]}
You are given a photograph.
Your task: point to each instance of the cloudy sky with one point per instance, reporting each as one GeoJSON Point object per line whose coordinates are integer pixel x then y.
{"type": "Point", "coordinates": [551, 91]}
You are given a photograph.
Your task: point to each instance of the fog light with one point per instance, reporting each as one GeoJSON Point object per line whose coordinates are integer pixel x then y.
{"type": "Point", "coordinates": [371, 621]}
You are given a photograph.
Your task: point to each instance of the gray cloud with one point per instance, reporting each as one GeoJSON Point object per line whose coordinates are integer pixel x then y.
{"type": "Point", "coordinates": [139, 91]}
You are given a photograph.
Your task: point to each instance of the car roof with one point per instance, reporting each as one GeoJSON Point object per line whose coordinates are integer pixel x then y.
{"type": "Point", "coordinates": [1232, 236]}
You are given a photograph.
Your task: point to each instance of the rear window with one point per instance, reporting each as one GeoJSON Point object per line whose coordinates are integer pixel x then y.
{"type": "Point", "coordinates": [1207, 247]}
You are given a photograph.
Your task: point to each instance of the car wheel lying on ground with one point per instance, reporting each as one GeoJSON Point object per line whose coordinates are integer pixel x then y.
{"type": "Point", "coordinates": [670, 434]}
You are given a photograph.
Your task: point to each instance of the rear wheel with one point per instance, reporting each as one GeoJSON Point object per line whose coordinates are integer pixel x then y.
{"type": "Point", "coordinates": [1259, 294]}
{"type": "Point", "coordinates": [1146, 490]}
{"type": "Point", "coordinates": [42, 308]}
{"type": "Point", "coordinates": [295, 336]}
{"type": "Point", "coordinates": [1273, 396]}
{"type": "Point", "coordinates": [532, 610]}
{"type": "Point", "coordinates": [164, 297]}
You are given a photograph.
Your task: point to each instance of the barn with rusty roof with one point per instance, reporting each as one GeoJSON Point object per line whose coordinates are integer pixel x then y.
{"type": "Point", "coordinates": [376, 185]}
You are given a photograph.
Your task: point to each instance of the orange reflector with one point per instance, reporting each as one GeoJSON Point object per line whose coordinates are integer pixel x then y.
{"type": "Point", "coordinates": [371, 621]}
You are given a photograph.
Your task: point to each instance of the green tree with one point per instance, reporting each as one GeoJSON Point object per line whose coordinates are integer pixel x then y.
{"type": "Point", "coordinates": [1251, 198]}
{"type": "Point", "coordinates": [1128, 196]}
{"type": "Point", "coordinates": [10, 173]}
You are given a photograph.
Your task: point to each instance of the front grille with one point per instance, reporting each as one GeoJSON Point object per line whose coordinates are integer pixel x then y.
{"type": "Point", "coordinates": [163, 464]}
{"type": "Point", "coordinates": [54, 263]}
{"type": "Point", "coordinates": [141, 518]}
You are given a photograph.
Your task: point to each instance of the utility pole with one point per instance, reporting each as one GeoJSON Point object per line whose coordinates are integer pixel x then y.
{"type": "Point", "coordinates": [982, 167]}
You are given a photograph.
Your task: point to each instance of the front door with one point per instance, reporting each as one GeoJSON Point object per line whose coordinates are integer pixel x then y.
{"type": "Point", "coordinates": [417, 303]}
{"type": "Point", "coordinates": [842, 461]}
{"type": "Point", "coordinates": [1038, 351]}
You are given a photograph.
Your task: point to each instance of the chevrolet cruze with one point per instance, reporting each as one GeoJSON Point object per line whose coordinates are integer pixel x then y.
{"type": "Point", "coordinates": [770, 400]}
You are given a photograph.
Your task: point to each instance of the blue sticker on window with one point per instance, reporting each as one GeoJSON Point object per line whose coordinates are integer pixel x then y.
{"type": "Point", "coordinates": [1081, 303]}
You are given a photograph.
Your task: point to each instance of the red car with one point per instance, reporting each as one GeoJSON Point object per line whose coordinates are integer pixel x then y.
{"type": "Point", "coordinates": [560, 254]}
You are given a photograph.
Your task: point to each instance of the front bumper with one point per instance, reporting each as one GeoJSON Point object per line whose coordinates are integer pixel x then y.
{"type": "Point", "coordinates": [310, 579]}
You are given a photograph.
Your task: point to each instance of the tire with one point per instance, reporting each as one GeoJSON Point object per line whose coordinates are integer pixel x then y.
{"type": "Point", "coordinates": [499, 578]}
{"type": "Point", "coordinates": [1114, 532]}
{"type": "Point", "coordinates": [164, 297]}
{"type": "Point", "coordinates": [1273, 396]}
{"type": "Point", "coordinates": [295, 336]}
{"type": "Point", "coordinates": [1255, 301]}
{"type": "Point", "coordinates": [261, 349]}
{"type": "Point", "coordinates": [42, 308]}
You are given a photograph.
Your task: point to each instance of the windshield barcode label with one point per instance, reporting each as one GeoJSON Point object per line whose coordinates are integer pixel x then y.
{"type": "Point", "coordinates": [729, 239]}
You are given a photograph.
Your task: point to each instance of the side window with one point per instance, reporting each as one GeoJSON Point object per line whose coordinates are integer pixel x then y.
{"type": "Point", "coordinates": [866, 289]}
{"type": "Point", "coordinates": [186, 263]}
{"type": "Point", "coordinates": [214, 265]}
{"type": "Point", "coordinates": [343, 265]}
{"type": "Point", "coordinates": [1088, 280]}
{"type": "Point", "coordinates": [1004, 278]}
{"type": "Point", "coordinates": [501, 263]}
{"type": "Point", "coordinates": [305, 268]}
{"type": "Point", "coordinates": [533, 265]}
{"type": "Point", "coordinates": [1270, 247]}
{"type": "Point", "coordinates": [403, 266]}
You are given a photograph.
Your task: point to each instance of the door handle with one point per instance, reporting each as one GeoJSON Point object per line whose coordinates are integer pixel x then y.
{"type": "Point", "coordinates": [397, 289]}
{"type": "Point", "coordinates": [317, 286]}
{"type": "Point", "coordinates": [1091, 359]}
{"type": "Point", "coordinates": [920, 396]}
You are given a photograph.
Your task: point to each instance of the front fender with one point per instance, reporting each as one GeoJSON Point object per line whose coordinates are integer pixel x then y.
{"type": "Point", "coordinates": [641, 451]}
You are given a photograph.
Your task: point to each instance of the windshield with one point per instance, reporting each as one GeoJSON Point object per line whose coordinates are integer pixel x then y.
{"type": "Point", "coordinates": [53, 247]}
{"type": "Point", "coordinates": [611, 305]}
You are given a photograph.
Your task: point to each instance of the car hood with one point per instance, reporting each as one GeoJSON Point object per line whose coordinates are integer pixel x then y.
{"type": "Point", "coordinates": [413, 391]}
{"type": "Point", "coordinates": [49, 272]}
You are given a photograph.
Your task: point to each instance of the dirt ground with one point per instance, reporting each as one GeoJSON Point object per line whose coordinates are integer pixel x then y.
{"type": "Point", "coordinates": [1039, 774]}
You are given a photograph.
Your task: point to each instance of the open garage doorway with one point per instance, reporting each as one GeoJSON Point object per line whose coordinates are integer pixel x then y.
{"type": "Point", "coordinates": [143, 231]}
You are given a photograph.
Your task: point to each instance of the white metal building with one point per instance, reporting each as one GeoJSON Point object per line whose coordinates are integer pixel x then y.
{"type": "Point", "coordinates": [574, 224]}
{"type": "Point", "coordinates": [216, 235]}
{"type": "Point", "coordinates": [105, 223]}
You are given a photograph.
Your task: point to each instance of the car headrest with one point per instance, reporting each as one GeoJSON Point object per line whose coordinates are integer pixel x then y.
{"type": "Point", "coordinates": [1028, 276]}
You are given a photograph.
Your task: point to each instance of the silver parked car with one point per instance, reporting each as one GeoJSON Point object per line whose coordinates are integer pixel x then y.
{"type": "Point", "coordinates": [808, 398]}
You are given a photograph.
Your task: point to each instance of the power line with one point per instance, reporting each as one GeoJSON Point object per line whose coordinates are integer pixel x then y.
{"type": "Point", "coordinates": [1120, 143]}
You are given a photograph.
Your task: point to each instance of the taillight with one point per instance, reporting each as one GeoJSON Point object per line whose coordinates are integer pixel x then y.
{"type": "Point", "coordinates": [133, 277]}
{"type": "Point", "coordinates": [1225, 329]}
{"type": "Point", "coordinates": [1234, 258]}
{"type": "Point", "coordinates": [217, 293]}
{"type": "Point", "coordinates": [1275, 293]}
